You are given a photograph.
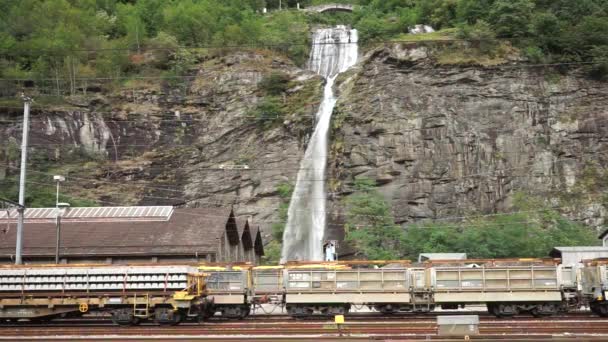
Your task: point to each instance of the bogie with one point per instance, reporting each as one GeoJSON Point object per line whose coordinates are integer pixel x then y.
{"type": "Point", "coordinates": [599, 308]}
{"type": "Point", "coordinates": [234, 311]}
{"type": "Point", "coordinates": [167, 316]}
{"type": "Point", "coordinates": [124, 316]}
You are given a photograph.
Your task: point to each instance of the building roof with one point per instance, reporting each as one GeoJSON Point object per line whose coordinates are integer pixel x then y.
{"type": "Point", "coordinates": [574, 255]}
{"type": "Point", "coordinates": [556, 252]}
{"type": "Point", "coordinates": [92, 214]}
{"type": "Point", "coordinates": [183, 231]}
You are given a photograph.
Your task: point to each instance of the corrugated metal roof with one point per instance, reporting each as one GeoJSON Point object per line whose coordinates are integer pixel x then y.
{"type": "Point", "coordinates": [91, 214]}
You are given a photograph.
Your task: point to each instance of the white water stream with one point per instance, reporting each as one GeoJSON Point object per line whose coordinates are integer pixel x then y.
{"type": "Point", "coordinates": [334, 50]}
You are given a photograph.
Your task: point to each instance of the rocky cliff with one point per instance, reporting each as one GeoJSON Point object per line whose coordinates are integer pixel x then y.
{"type": "Point", "coordinates": [440, 140]}
{"type": "Point", "coordinates": [446, 140]}
{"type": "Point", "coordinates": [196, 142]}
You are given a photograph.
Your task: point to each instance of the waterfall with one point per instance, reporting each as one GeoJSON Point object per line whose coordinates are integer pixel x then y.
{"type": "Point", "coordinates": [334, 50]}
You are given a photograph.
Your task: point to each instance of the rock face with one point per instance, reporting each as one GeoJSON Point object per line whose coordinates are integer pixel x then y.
{"type": "Point", "coordinates": [446, 141]}
{"type": "Point", "coordinates": [440, 140]}
{"type": "Point", "coordinates": [197, 143]}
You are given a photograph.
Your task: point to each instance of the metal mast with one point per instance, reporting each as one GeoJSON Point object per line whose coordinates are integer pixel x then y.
{"type": "Point", "coordinates": [26, 125]}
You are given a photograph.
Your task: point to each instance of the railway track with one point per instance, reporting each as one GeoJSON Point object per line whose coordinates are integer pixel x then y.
{"type": "Point", "coordinates": [355, 317]}
{"type": "Point", "coordinates": [575, 326]}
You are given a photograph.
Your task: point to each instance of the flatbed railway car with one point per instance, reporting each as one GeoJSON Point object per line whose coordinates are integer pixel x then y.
{"type": "Point", "coordinates": [164, 293]}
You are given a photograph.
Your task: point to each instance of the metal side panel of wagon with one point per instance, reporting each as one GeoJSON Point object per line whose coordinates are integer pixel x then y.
{"type": "Point", "coordinates": [228, 290]}
{"type": "Point", "coordinates": [505, 290]}
{"type": "Point", "coordinates": [331, 292]}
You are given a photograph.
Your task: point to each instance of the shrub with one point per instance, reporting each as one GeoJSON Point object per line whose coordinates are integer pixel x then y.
{"type": "Point", "coordinates": [534, 54]}
{"type": "Point", "coordinates": [270, 110]}
{"type": "Point", "coordinates": [481, 35]}
{"type": "Point", "coordinates": [599, 70]}
{"type": "Point", "coordinates": [275, 83]}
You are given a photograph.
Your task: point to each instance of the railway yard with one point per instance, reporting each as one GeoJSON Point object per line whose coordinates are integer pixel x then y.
{"type": "Point", "coordinates": [581, 325]}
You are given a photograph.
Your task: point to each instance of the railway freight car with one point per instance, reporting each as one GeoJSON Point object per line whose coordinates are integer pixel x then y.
{"type": "Point", "coordinates": [594, 283]}
{"type": "Point", "coordinates": [164, 293]}
{"type": "Point", "coordinates": [228, 290]}
{"type": "Point", "coordinates": [506, 291]}
{"type": "Point", "coordinates": [333, 292]}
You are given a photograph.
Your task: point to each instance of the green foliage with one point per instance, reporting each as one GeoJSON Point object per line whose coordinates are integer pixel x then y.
{"type": "Point", "coordinates": [481, 34]}
{"type": "Point", "coordinates": [269, 111]}
{"type": "Point", "coordinates": [511, 18]}
{"type": "Point", "coordinates": [370, 226]}
{"type": "Point", "coordinates": [285, 190]}
{"type": "Point", "coordinates": [272, 253]}
{"type": "Point", "coordinates": [288, 32]}
{"type": "Point", "coordinates": [534, 54]}
{"type": "Point", "coordinates": [182, 61]}
{"type": "Point", "coordinates": [46, 39]}
{"type": "Point", "coordinates": [39, 196]}
{"type": "Point", "coordinates": [545, 30]}
{"type": "Point", "coordinates": [273, 249]}
{"type": "Point", "coordinates": [278, 228]}
{"type": "Point", "coordinates": [531, 233]}
{"type": "Point", "coordinates": [599, 71]}
{"type": "Point", "coordinates": [275, 83]}
{"type": "Point", "coordinates": [372, 27]}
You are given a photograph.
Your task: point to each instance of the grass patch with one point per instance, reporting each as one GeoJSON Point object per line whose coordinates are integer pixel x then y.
{"type": "Point", "coordinates": [445, 34]}
{"type": "Point", "coordinates": [459, 55]}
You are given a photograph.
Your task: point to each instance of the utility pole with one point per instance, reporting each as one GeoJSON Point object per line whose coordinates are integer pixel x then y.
{"type": "Point", "coordinates": [26, 125]}
{"type": "Point", "coordinates": [59, 207]}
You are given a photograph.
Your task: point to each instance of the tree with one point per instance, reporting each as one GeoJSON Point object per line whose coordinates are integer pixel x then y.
{"type": "Point", "coordinates": [481, 35]}
{"type": "Point", "coordinates": [547, 29]}
{"type": "Point", "coordinates": [370, 226]}
{"type": "Point", "coordinates": [470, 11]}
{"type": "Point", "coordinates": [532, 232]}
{"type": "Point", "coordinates": [511, 18]}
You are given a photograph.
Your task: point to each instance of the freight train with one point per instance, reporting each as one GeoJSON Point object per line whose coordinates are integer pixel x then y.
{"type": "Point", "coordinates": [169, 294]}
